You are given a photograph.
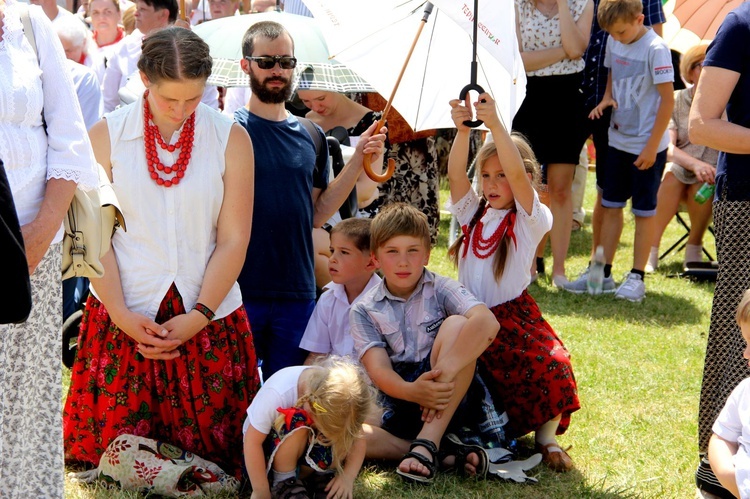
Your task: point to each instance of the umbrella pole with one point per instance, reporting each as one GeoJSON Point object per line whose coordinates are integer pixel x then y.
{"type": "Point", "coordinates": [183, 14]}
{"type": "Point", "coordinates": [367, 160]}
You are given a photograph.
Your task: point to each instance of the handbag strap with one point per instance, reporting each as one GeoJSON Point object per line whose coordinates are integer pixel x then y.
{"type": "Point", "coordinates": [28, 32]}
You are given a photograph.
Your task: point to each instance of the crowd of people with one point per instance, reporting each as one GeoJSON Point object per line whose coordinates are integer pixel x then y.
{"type": "Point", "coordinates": [238, 307]}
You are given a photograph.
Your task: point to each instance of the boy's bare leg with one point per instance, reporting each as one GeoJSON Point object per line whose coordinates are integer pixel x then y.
{"type": "Point", "coordinates": [447, 339]}
{"type": "Point", "coordinates": [596, 226]}
{"type": "Point", "coordinates": [644, 234]}
{"type": "Point", "coordinates": [383, 445]}
{"type": "Point", "coordinates": [610, 232]}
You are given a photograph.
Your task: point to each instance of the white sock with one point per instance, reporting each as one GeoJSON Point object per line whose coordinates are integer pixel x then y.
{"type": "Point", "coordinates": [653, 259]}
{"type": "Point", "coordinates": [693, 253]}
{"type": "Point", "coordinates": [279, 476]}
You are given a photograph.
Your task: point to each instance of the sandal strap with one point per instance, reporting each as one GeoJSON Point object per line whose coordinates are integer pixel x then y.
{"type": "Point", "coordinates": [431, 465]}
{"type": "Point", "coordinates": [427, 444]}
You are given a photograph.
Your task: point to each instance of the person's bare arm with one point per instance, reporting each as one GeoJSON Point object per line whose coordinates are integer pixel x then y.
{"type": "Point", "coordinates": [327, 202]}
{"type": "Point", "coordinates": [702, 170]}
{"type": "Point", "coordinates": [575, 34]}
{"type": "Point", "coordinates": [424, 391]}
{"type": "Point", "coordinates": [707, 128]}
{"type": "Point", "coordinates": [720, 454]}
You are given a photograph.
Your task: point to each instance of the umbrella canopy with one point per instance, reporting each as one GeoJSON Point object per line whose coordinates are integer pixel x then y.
{"type": "Point", "coordinates": [690, 22]}
{"type": "Point", "coordinates": [373, 38]}
{"type": "Point", "coordinates": [224, 38]}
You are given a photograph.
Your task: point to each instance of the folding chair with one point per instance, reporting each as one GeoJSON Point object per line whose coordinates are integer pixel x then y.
{"type": "Point", "coordinates": [681, 242]}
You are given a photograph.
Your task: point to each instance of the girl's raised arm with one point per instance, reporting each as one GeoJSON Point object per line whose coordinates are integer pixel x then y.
{"type": "Point", "coordinates": [459, 156]}
{"type": "Point", "coordinates": [510, 159]}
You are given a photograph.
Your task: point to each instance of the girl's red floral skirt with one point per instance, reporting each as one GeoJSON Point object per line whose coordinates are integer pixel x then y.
{"type": "Point", "coordinates": [527, 368]}
{"type": "Point", "coordinates": [196, 401]}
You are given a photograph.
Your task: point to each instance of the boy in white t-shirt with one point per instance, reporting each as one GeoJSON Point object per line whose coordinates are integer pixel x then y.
{"type": "Point", "coordinates": [729, 447]}
{"type": "Point", "coordinates": [352, 271]}
{"type": "Point", "coordinates": [641, 93]}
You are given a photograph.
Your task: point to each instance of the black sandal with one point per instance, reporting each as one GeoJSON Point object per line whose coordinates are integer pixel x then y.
{"type": "Point", "coordinates": [423, 460]}
{"type": "Point", "coordinates": [291, 488]}
{"type": "Point", "coordinates": [455, 447]}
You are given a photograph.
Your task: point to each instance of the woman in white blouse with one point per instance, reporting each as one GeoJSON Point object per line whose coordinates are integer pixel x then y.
{"type": "Point", "coordinates": [165, 348]}
{"type": "Point", "coordinates": [553, 36]}
{"type": "Point", "coordinates": [43, 169]}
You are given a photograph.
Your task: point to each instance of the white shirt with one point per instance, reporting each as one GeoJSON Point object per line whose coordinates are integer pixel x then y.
{"type": "Point", "coordinates": [328, 329]}
{"type": "Point", "coordinates": [280, 390]}
{"type": "Point", "coordinates": [477, 274]}
{"type": "Point", "coordinates": [123, 63]}
{"type": "Point", "coordinates": [61, 13]}
{"type": "Point", "coordinates": [30, 155]}
{"type": "Point", "coordinates": [88, 91]}
{"type": "Point", "coordinates": [171, 231]}
{"type": "Point", "coordinates": [235, 98]}
{"type": "Point", "coordinates": [733, 425]}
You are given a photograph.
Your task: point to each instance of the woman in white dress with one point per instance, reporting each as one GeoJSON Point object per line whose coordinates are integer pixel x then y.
{"type": "Point", "coordinates": [43, 170]}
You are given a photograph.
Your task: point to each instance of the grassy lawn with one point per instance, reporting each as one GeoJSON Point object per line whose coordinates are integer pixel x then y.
{"type": "Point", "coordinates": [638, 368]}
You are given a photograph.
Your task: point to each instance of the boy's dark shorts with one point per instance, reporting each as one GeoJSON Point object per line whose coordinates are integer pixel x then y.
{"type": "Point", "coordinates": [623, 181]}
{"type": "Point", "coordinates": [401, 418]}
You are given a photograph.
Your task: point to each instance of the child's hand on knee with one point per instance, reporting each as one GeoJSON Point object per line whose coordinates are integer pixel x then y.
{"type": "Point", "coordinates": [432, 394]}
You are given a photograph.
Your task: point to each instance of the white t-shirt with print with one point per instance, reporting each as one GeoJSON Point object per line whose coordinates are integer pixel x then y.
{"type": "Point", "coordinates": [636, 70]}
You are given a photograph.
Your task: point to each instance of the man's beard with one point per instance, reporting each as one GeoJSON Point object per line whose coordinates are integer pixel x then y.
{"type": "Point", "coordinates": [271, 95]}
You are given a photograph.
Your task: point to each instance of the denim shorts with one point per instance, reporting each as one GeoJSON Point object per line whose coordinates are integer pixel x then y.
{"type": "Point", "coordinates": [624, 181]}
{"type": "Point", "coordinates": [400, 417]}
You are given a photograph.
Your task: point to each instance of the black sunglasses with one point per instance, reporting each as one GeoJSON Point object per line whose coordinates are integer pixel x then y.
{"type": "Point", "coordinates": [269, 61]}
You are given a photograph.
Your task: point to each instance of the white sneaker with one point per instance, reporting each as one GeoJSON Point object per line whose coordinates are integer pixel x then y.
{"type": "Point", "coordinates": [579, 286]}
{"type": "Point", "coordinates": [559, 281]}
{"type": "Point", "coordinates": [632, 288]}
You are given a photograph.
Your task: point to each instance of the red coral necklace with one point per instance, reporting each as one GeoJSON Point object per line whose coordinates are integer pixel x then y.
{"type": "Point", "coordinates": [152, 136]}
{"type": "Point", "coordinates": [484, 248]}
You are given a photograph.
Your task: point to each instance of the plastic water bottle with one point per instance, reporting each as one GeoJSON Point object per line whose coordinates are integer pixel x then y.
{"type": "Point", "coordinates": [596, 273]}
{"type": "Point", "coordinates": [704, 193]}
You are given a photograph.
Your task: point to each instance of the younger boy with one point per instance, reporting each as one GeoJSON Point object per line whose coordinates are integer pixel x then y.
{"type": "Point", "coordinates": [418, 335]}
{"type": "Point", "coordinates": [352, 271]}
{"type": "Point", "coordinates": [640, 92]}
{"type": "Point", "coordinates": [729, 447]}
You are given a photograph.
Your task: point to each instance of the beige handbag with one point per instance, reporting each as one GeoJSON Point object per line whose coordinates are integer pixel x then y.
{"type": "Point", "coordinates": [91, 221]}
{"type": "Point", "coordinates": [93, 216]}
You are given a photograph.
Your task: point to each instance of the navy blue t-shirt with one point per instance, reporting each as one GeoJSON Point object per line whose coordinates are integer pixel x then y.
{"type": "Point", "coordinates": [731, 50]}
{"type": "Point", "coordinates": [279, 263]}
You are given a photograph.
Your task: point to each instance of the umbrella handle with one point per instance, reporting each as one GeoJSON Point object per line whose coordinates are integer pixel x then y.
{"type": "Point", "coordinates": [465, 95]}
{"type": "Point", "coordinates": [367, 162]}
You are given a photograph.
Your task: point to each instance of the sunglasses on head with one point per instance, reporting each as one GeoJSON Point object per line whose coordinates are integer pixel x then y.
{"type": "Point", "coordinates": [269, 61]}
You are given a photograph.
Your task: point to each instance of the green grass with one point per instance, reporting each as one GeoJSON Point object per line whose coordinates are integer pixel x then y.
{"type": "Point", "coordinates": [638, 369]}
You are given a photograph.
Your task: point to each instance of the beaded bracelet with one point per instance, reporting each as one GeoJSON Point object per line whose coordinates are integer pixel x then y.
{"type": "Point", "coordinates": [207, 312]}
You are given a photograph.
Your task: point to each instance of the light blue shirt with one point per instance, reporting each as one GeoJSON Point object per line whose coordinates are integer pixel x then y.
{"type": "Point", "coordinates": [407, 328]}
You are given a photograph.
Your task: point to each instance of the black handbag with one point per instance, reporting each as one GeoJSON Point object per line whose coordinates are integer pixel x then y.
{"type": "Point", "coordinates": [17, 303]}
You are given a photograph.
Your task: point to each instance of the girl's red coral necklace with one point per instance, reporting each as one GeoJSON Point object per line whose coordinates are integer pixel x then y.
{"type": "Point", "coordinates": [152, 136]}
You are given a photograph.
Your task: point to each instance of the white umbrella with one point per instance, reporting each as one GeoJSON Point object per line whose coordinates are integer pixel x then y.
{"type": "Point", "coordinates": [373, 39]}
{"type": "Point", "coordinates": [224, 38]}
